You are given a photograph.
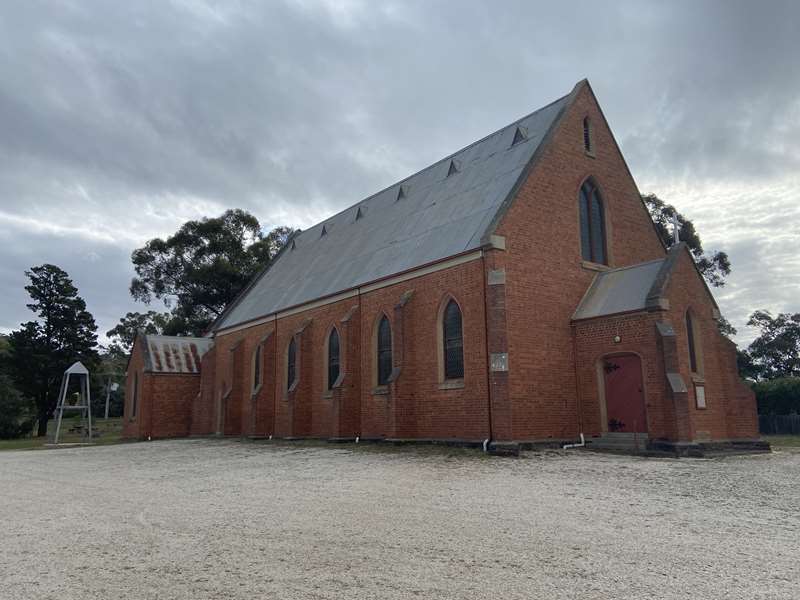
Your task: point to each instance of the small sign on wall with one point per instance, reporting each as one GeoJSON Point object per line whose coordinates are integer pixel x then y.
{"type": "Point", "coordinates": [499, 361]}
{"type": "Point", "coordinates": [700, 395]}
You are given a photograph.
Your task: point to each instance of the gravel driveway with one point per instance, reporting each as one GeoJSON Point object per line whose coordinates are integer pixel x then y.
{"type": "Point", "coordinates": [215, 519]}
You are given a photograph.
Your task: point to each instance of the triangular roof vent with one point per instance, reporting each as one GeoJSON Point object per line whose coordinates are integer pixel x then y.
{"type": "Point", "coordinates": [454, 167]}
{"type": "Point", "coordinates": [324, 231]}
{"type": "Point", "coordinates": [401, 192]}
{"type": "Point", "coordinates": [359, 214]}
{"type": "Point", "coordinates": [520, 135]}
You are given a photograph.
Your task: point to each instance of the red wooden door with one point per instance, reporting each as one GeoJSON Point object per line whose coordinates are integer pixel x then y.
{"type": "Point", "coordinates": [624, 394]}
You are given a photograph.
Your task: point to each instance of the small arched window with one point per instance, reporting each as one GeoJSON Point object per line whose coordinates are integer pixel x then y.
{"type": "Point", "coordinates": [453, 338]}
{"type": "Point", "coordinates": [587, 135]}
{"type": "Point", "coordinates": [593, 227]}
{"type": "Point", "coordinates": [291, 366]}
{"type": "Point", "coordinates": [384, 351]}
{"type": "Point", "coordinates": [135, 399]}
{"type": "Point", "coordinates": [333, 358]}
{"type": "Point", "coordinates": [257, 368]}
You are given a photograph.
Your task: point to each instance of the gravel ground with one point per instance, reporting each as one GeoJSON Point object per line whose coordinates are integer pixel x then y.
{"type": "Point", "coordinates": [228, 519]}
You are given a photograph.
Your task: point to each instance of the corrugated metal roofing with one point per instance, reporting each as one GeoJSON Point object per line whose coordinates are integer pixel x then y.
{"type": "Point", "coordinates": [438, 217]}
{"type": "Point", "coordinates": [172, 354]}
{"type": "Point", "coordinates": [619, 290]}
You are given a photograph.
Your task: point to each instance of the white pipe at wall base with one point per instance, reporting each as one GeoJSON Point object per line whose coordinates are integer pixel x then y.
{"type": "Point", "coordinates": [581, 445]}
{"type": "Point", "coordinates": [357, 438]}
{"type": "Point", "coordinates": [486, 445]}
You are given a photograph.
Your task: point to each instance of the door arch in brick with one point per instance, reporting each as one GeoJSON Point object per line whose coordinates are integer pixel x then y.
{"type": "Point", "coordinates": [622, 393]}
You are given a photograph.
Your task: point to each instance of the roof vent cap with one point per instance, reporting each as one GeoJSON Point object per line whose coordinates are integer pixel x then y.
{"type": "Point", "coordinates": [520, 135]}
{"type": "Point", "coordinates": [324, 231]}
{"type": "Point", "coordinates": [360, 214]}
{"type": "Point", "coordinates": [455, 167]}
{"type": "Point", "coordinates": [401, 192]}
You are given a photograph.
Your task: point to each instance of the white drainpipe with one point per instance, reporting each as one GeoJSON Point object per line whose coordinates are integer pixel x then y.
{"type": "Point", "coordinates": [581, 445]}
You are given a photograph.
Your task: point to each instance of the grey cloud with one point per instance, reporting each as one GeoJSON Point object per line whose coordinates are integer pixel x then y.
{"type": "Point", "coordinates": [121, 120]}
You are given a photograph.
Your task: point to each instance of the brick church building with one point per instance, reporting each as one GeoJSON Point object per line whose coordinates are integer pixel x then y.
{"type": "Point", "coordinates": [513, 293]}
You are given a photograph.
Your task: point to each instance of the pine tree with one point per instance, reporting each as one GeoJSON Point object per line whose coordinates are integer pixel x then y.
{"type": "Point", "coordinates": [63, 333]}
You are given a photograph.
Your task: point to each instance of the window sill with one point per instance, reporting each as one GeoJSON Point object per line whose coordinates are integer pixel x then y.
{"type": "Point", "coordinates": [381, 390]}
{"type": "Point", "coordinates": [593, 266]}
{"type": "Point", "coordinates": [328, 395]}
{"type": "Point", "coordinates": [699, 379]}
{"type": "Point", "coordinates": [452, 384]}
{"type": "Point", "coordinates": [590, 153]}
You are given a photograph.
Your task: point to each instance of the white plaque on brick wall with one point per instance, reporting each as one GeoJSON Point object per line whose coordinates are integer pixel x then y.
{"type": "Point", "coordinates": [700, 395]}
{"type": "Point", "coordinates": [499, 361]}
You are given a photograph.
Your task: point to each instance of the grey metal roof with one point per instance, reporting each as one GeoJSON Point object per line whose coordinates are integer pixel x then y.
{"type": "Point", "coordinates": [438, 217]}
{"type": "Point", "coordinates": [619, 290]}
{"type": "Point", "coordinates": [173, 354]}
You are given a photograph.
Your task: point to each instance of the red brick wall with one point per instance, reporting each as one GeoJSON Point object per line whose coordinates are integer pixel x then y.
{"type": "Point", "coordinates": [165, 404]}
{"type": "Point", "coordinates": [169, 404]}
{"type": "Point", "coordinates": [545, 279]}
{"type": "Point", "coordinates": [540, 396]}
{"type": "Point", "coordinates": [203, 418]}
{"type": "Point", "coordinates": [637, 334]}
{"type": "Point", "coordinates": [417, 407]}
{"type": "Point", "coordinates": [731, 409]}
{"type": "Point", "coordinates": [130, 424]}
{"type": "Point", "coordinates": [227, 392]}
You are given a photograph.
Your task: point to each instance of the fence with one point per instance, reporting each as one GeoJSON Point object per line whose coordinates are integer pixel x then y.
{"type": "Point", "coordinates": [779, 424]}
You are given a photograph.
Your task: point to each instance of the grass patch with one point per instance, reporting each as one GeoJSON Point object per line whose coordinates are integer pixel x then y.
{"type": "Point", "coordinates": [105, 432]}
{"type": "Point", "coordinates": [783, 441]}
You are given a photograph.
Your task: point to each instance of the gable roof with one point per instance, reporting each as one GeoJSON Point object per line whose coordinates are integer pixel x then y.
{"type": "Point", "coordinates": [442, 211]}
{"type": "Point", "coordinates": [173, 354]}
{"type": "Point", "coordinates": [637, 287]}
{"type": "Point", "coordinates": [619, 290]}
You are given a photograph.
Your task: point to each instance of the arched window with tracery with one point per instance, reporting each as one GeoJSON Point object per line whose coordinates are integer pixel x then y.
{"type": "Point", "coordinates": [593, 226]}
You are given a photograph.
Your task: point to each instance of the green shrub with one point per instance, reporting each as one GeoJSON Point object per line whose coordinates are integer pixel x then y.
{"type": "Point", "coordinates": [16, 412]}
{"type": "Point", "coordinates": [778, 396]}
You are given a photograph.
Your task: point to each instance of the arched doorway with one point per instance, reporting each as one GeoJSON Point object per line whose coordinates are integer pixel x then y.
{"type": "Point", "coordinates": [623, 388]}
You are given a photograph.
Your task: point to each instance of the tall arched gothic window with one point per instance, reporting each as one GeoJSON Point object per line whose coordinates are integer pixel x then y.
{"type": "Point", "coordinates": [453, 338]}
{"type": "Point", "coordinates": [593, 226]}
{"type": "Point", "coordinates": [333, 358]}
{"type": "Point", "coordinates": [384, 351]}
{"type": "Point", "coordinates": [291, 367]}
{"type": "Point", "coordinates": [256, 368]}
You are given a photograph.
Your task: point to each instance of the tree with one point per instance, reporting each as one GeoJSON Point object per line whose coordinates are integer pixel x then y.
{"type": "Point", "coordinates": [200, 269]}
{"type": "Point", "coordinates": [714, 267]}
{"type": "Point", "coordinates": [16, 411]}
{"type": "Point", "coordinates": [776, 351]}
{"type": "Point", "coordinates": [129, 326]}
{"type": "Point", "coordinates": [42, 349]}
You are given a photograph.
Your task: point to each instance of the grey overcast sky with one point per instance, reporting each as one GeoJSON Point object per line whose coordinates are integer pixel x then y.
{"type": "Point", "coordinates": [121, 120]}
